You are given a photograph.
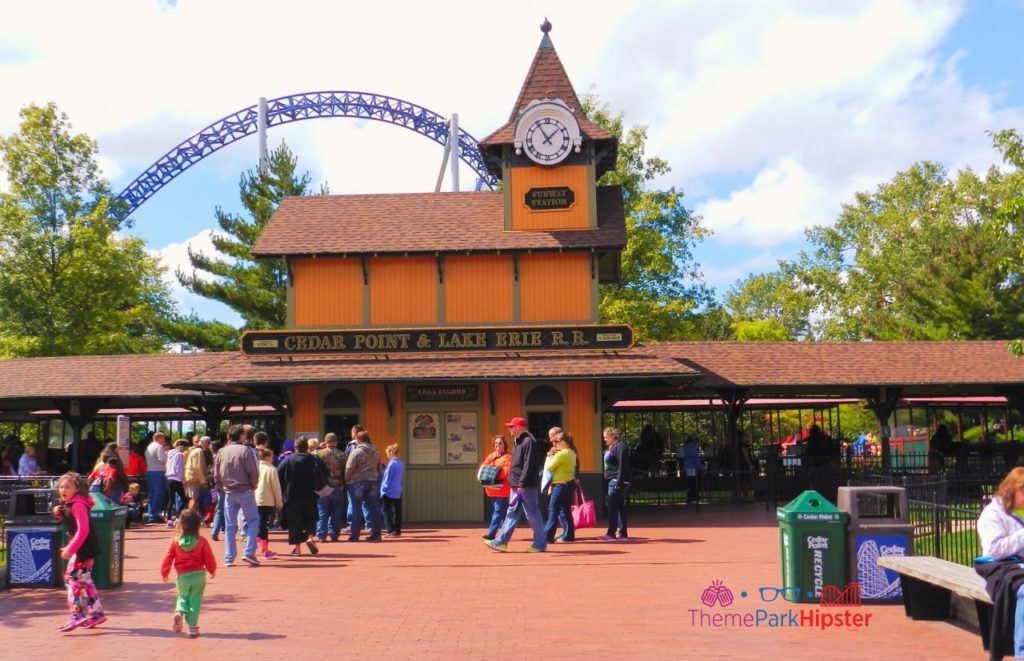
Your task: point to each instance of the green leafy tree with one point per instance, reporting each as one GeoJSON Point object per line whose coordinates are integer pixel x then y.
{"type": "Point", "coordinates": [662, 290]}
{"type": "Point", "coordinates": [925, 256]}
{"type": "Point", "coordinates": [769, 306]}
{"type": "Point", "coordinates": [1011, 144]}
{"type": "Point", "coordinates": [70, 282]}
{"type": "Point", "coordinates": [256, 289]}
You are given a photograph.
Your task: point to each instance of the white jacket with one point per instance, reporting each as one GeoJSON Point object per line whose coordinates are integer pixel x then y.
{"type": "Point", "coordinates": [1002, 534]}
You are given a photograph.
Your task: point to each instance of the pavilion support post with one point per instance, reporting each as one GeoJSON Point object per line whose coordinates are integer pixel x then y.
{"type": "Point", "coordinates": [212, 415]}
{"type": "Point", "coordinates": [882, 402]}
{"type": "Point", "coordinates": [78, 413]}
{"type": "Point", "coordinates": [734, 401]}
{"type": "Point", "coordinates": [1015, 399]}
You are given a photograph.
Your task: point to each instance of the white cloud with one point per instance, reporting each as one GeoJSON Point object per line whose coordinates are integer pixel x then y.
{"type": "Point", "coordinates": [793, 105]}
{"type": "Point", "coordinates": [782, 201]}
{"type": "Point", "coordinates": [173, 257]}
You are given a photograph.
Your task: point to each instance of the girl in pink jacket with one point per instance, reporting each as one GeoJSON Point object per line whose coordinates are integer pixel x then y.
{"type": "Point", "coordinates": [73, 508]}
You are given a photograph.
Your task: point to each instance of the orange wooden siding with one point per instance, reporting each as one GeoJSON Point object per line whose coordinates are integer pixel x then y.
{"type": "Point", "coordinates": [328, 292]}
{"type": "Point", "coordinates": [508, 403]}
{"type": "Point", "coordinates": [403, 290]}
{"type": "Point", "coordinates": [477, 289]}
{"type": "Point", "coordinates": [306, 402]}
{"type": "Point", "coordinates": [581, 423]}
{"type": "Point", "coordinates": [376, 412]}
{"type": "Point", "coordinates": [555, 287]}
{"type": "Point", "coordinates": [576, 177]}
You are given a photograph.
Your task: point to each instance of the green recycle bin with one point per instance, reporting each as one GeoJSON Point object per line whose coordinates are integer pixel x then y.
{"type": "Point", "coordinates": [812, 534]}
{"type": "Point", "coordinates": [109, 520]}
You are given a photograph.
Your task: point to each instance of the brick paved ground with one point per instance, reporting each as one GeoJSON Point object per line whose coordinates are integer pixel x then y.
{"type": "Point", "coordinates": [438, 593]}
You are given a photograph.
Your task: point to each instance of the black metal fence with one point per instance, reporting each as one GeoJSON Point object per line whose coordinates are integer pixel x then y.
{"type": "Point", "coordinates": [944, 510]}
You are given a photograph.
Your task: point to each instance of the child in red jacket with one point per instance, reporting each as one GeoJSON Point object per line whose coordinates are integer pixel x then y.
{"type": "Point", "coordinates": [190, 554]}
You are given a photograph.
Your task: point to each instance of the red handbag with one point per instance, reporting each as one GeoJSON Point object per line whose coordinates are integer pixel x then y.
{"type": "Point", "coordinates": [583, 514]}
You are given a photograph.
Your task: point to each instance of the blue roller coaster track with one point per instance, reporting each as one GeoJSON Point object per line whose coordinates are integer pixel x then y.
{"type": "Point", "coordinates": [294, 108]}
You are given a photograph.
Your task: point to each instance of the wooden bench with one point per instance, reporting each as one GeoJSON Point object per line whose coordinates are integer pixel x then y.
{"type": "Point", "coordinates": [928, 586]}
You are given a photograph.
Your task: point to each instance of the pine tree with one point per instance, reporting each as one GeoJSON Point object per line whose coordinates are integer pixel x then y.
{"type": "Point", "coordinates": [253, 288]}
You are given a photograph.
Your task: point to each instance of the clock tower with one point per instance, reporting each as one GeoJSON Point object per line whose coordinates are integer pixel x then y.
{"type": "Point", "coordinates": [548, 154]}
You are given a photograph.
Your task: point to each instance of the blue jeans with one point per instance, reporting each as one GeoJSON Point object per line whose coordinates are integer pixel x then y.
{"type": "Point", "coordinates": [529, 507]}
{"type": "Point", "coordinates": [218, 514]}
{"type": "Point", "coordinates": [366, 492]}
{"type": "Point", "coordinates": [156, 486]}
{"type": "Point", "coordinates": [500, 509]}
{"type": "Point", "coordinates": [1018, 624]}
{"type": "Point", "coordinates": [244, 501]}
{"type": "Point", "coordinates": [348, 511]}
{"type": "Point", "coordinates": [329, 511]}
{"type": "Point", "coordinates": [616, 504]}
{"type": "Point", "coordinates": [558, 512]}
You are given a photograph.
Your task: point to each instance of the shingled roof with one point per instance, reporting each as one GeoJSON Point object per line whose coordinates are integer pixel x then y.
{"type": "Point", "coordinates": [838, 368]}
{"type": "Point", "coordinates": [37, 382]}
{"type": "Point", "coordinates": [547, 79]}
{"type": "Point", "coordinates": [410, 223]}
{"type": "Point", "coordinates": [242, 370]}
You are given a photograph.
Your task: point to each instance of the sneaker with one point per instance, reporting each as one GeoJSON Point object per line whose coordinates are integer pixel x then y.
{"type": "Point", "coordinates": [312, 547]}
{"type": "Point", "coordinates": [494, 546]}
{"type": "Point", "coordinates": [346, 531]}
{"type": "Point", "coordinates": [193, 632]}
{"type": "Point", "coordinates": [94, 620]}
{"type": "Point", "coordinates": [215, 537]}
{"type": "Point", "coordinates": [251, 560]}
{"type": "Point", "coordinates": [606, 538]}
{"type": "Point", "coordinates": [267, 555]}
{"type": "Point", "coordinates": [622, 539]}
{"type": "Point", "coordinates": [170, 523]}
{"type": "Point", "coordinates": [229, 563]}
{"type": "Point", "coordinates": [373, 539]}
{"type": "Point", "coordinates": [72, 624]}
{"type": "Point", "coordinates": [487, 537]}
{"type": "Point", "coordinates": [176, 622]}
{"type": "Point", "coordinates": [534, 549]}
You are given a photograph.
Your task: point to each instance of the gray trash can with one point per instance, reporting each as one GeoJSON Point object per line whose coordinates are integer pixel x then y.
{"type": "Point", "coordinates": [34, 540]}
{"type": "Point", "coordinates": [879, 526]}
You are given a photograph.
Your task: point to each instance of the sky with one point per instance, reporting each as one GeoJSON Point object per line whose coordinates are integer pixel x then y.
{"type": "Point", "coordinates": [771, 114]}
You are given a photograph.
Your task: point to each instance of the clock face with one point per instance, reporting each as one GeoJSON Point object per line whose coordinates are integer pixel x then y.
{"type": "Point", "coordinates": [547, 141]}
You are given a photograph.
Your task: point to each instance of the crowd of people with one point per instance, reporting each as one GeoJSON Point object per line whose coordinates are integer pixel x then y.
{"type": "Point", "coordinates": [242, 487]}
{"type": "Point", "coordinates": [552, 466]}
{"type": "Point", "coordinates": [316, 492]}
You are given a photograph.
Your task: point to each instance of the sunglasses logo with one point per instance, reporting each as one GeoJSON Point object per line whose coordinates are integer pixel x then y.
{"type": "Point", "coordinates": [789, 593]}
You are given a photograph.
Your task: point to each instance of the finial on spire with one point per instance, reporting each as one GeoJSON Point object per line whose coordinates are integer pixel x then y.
{"type": "Point", "coordinates": [545, 27]}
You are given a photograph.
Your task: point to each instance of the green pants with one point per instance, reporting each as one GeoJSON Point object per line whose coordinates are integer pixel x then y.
{"type": "Point", "coordinates": [191, 586]}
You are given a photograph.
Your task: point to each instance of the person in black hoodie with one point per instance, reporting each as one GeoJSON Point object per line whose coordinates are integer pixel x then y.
{"type": "Point", "coordinates": [301, 475]}
{"type": "Point", "coordinates": [524, 479]}
{"type": "Point", "coordinates": [616, 474]}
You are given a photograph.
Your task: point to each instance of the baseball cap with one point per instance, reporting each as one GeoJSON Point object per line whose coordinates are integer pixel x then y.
{"type": "Point", "coordinates": [516, 422]}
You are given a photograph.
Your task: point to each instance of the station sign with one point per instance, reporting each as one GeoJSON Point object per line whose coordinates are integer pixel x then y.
{"type": "Point", "coordinates": [502, 339]}
{"type": "Point", "coordinates": [550, 199]}
{"type": "Point", "coordinates": [445, 393]}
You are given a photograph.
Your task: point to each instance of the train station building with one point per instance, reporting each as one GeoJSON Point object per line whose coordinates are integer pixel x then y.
{"type": "Point", "coordinates": [431, 319]}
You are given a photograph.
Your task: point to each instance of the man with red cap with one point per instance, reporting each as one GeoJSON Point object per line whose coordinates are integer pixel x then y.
{"type": "Point", "coordinates": [524, 479]}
